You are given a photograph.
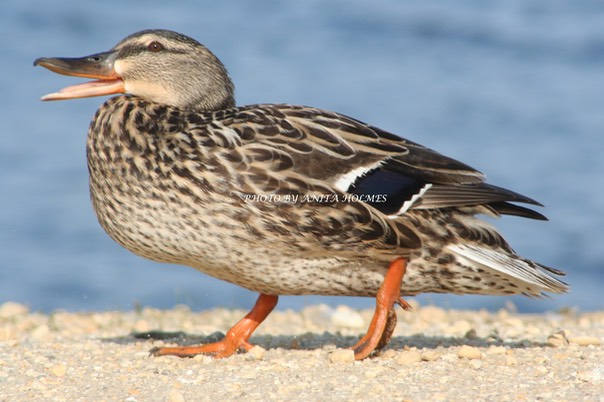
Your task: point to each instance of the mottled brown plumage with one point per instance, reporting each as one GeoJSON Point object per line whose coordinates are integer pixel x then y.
{"type": "Point", "coordinates": [282, 199]}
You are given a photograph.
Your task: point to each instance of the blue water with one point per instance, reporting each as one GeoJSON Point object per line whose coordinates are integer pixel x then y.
{"type": "Point", "coordinates": [513, 88]}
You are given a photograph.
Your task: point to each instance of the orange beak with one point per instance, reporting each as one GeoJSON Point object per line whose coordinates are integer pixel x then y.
{"type": "Point", "coordinates": [99, 66]}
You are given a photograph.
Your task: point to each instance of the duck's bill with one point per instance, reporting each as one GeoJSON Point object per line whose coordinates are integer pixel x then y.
{"type": "Point", "coordinates": [98, 66]}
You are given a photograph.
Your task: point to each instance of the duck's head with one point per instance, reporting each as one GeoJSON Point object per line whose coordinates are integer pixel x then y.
{"type": "Point", "coordinates": [157, 65]}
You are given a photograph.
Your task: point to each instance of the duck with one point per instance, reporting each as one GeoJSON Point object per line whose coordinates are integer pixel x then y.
{"type": "Point", "coordinates": [283, 199]}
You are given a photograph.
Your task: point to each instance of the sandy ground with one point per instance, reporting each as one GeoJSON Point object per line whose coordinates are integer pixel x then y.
{"type": "Point", "coordinates": [436, 354]}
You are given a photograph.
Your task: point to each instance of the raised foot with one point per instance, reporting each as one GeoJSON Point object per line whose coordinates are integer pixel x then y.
{"type": "Point", "coordinates": [236, 338]}
{"type": "Point", "coordinates": [384, 319]}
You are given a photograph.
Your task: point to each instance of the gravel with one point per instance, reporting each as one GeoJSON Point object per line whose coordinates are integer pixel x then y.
{"type": "Point", "coordinates": [435, 354]}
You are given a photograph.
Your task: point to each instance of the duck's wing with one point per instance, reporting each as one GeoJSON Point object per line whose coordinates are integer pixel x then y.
{"type": "Point", "coordinates": [325, 151]}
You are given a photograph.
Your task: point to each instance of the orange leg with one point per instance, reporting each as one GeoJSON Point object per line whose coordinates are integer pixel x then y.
{"type": "Point", "coordinates": [384, 319]}
{"type": "Point", "coordinates": [236, 338]}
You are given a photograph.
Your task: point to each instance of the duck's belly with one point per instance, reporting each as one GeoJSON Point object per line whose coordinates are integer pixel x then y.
{"type": "Point", "coordinates": [211, 239]}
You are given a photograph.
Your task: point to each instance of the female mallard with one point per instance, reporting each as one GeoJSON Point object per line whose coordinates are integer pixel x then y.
{"type": "Point", "coordinates": [282, 199]}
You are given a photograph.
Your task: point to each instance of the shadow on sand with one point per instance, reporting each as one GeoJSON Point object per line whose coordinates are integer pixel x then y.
{"type": "Point", "coordinates": [312, 341]}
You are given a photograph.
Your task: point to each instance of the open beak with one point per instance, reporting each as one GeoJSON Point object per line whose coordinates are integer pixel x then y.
{"type": "Point", "coordinates": [99, 66]}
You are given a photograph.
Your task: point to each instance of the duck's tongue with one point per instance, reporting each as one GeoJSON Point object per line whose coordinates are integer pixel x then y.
{"type": "Point", "coordinates": [99, 66]}
{"type": "Point", "coordinates": [87, 90]}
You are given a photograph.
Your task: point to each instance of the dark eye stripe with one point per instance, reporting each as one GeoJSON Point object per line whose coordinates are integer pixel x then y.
{"type": "Point", "coordinates": [135, 50]}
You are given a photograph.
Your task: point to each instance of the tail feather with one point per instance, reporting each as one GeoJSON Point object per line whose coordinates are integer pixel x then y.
{"type": "Point", "coordinates": [506, 208]}
{"type": "Point", "coordinates": [530, 277]}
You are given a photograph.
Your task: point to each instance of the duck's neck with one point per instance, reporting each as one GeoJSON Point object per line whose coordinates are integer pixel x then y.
{"type": "Point", "coordinates": [213, 97]}
{"type": "Point", "coordinates": [226, 103]}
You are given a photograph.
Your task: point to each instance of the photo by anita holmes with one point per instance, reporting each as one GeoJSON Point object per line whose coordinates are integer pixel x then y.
{"type": "Point", "coordinates": [171, 156]}
{"type": "Point", "coordinates": [316, 198]}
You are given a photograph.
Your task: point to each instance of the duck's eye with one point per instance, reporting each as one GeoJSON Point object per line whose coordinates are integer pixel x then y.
{"type": "Point", "coordinates": [155, 46]}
